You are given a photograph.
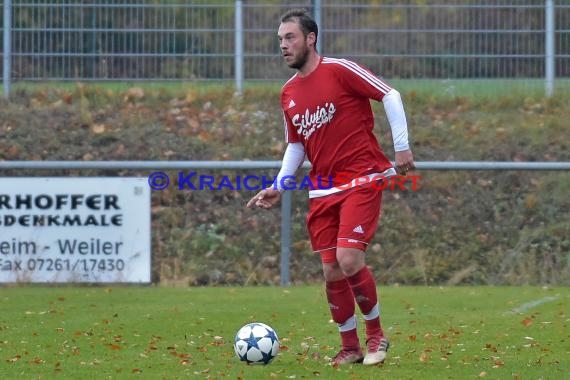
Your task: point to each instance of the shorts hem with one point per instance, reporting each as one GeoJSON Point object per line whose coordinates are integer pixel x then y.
{"type": "Point", "coordinates": [352, 243]}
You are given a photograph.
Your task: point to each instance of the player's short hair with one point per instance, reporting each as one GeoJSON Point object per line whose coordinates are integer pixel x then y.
{"type": "Point", "coordinates": [302, 17]}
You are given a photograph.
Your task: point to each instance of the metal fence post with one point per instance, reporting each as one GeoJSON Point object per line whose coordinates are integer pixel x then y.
{"type": "Point", "coordinates": [238, 59]}
{"type": "Point", "coordinates": [549, 50]}
{"type": "Point", "coordinates": [7, 47]}
{"type": "Point", "coordinates": [317, 13]}
{"type": "Point", "coordinates": [285, 236]}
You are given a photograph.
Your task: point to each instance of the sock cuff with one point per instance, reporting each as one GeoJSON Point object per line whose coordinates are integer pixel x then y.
{"type": "Point", "coordinates": [374, 313]}
{"type": "Point", "coordinates": [349, 324]}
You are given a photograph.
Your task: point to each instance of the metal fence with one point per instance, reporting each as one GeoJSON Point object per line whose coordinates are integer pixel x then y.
{"type": "Point", "coordinates": [105, 40]}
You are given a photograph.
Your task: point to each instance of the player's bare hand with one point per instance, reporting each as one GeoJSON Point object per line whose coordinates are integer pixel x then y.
{"type": "Point", "coordinates": [265, 199]}
{"type": "Point", "coordinates": [405, 161]}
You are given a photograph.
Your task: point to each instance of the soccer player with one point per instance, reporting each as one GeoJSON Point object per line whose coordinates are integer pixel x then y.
{"type": "Point", "coordinates": [328, 117]}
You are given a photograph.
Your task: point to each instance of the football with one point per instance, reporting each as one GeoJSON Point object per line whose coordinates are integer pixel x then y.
{"type": "Point", "coordinates": [256, 343]}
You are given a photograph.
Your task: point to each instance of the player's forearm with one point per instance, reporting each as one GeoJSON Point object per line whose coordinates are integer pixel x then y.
{"type": "Point", "coordinates": [397, 119]}
{"type": "Point", "coordinates": [292, 159]}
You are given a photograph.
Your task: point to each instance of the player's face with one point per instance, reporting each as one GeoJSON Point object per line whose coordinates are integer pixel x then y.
{"type": "Point", "coordinates": [293, 44]}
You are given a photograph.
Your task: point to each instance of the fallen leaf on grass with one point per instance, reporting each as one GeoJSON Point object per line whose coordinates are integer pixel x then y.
{"type": "Point", "coordinates": [489, 346]}
{"type": "Point", "coordinates": [14, 359]}
{"type": "Point", "coordinates": [218, 341]}
{"type": "Point", "coordinates": [37, 360]}
{"type": "Point", "coordinates": [98, 128]}
{"type": "Point", "coordinates": [191, 96]}
{"type": "Point", "coordinates": [134, 93]}
{"type": "Point", "coordinates": [498, 363]}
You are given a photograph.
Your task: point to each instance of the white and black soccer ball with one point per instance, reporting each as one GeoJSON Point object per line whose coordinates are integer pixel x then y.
{"type": "Point", "coordinates": [256, 343]}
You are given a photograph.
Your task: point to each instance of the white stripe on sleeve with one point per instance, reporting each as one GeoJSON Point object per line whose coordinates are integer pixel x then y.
{"type": "Point", "coordinates": [372, 79]}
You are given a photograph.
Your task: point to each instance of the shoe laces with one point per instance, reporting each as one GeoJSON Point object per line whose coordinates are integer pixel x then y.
{"type": "Point", "coordinates": [376, 343]}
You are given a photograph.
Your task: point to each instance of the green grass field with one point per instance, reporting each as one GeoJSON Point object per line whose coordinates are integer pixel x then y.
{"type": "Point", "coordinates": [437, 88]}
{"type": "Point", "coordinates": [173, 333]}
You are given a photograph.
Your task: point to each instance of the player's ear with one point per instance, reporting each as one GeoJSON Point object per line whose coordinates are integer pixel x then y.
{"type": "Point", "coordinates": [311, 39]}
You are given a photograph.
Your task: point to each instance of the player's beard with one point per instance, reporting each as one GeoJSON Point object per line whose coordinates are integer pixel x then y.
{"type": "Point", "coordinates": [301, 59]}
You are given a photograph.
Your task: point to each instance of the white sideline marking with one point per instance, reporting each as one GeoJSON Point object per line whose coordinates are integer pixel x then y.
{"type": "Point", "coordinates": [532, 304]}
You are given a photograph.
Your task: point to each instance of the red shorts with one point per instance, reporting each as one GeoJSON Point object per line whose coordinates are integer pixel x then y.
{"type": "Point", "coordinates": [346, 219]}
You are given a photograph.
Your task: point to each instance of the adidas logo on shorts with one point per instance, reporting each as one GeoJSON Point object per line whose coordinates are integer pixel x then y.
{"type": "Point", "coordinates": [358, 229]}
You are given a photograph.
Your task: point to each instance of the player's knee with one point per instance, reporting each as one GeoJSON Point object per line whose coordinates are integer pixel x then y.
{"type": "Point", "coordinates": [332, 272]}
{"type": "Point", "coordinates": [350, 262]}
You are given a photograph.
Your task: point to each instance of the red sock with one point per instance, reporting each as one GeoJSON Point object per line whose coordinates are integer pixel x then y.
{"type": "Point", "coordinates": [341, 304]}
{"type": "Point", "coordinates": [363, 287]}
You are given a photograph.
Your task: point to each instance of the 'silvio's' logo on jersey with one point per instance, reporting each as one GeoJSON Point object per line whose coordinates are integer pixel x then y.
{"type": "Point", "coordinates": [307, 123]}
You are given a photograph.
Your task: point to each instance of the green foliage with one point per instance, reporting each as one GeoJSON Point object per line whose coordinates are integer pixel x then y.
{"type": "Point", "coordinates": [459, 227]}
